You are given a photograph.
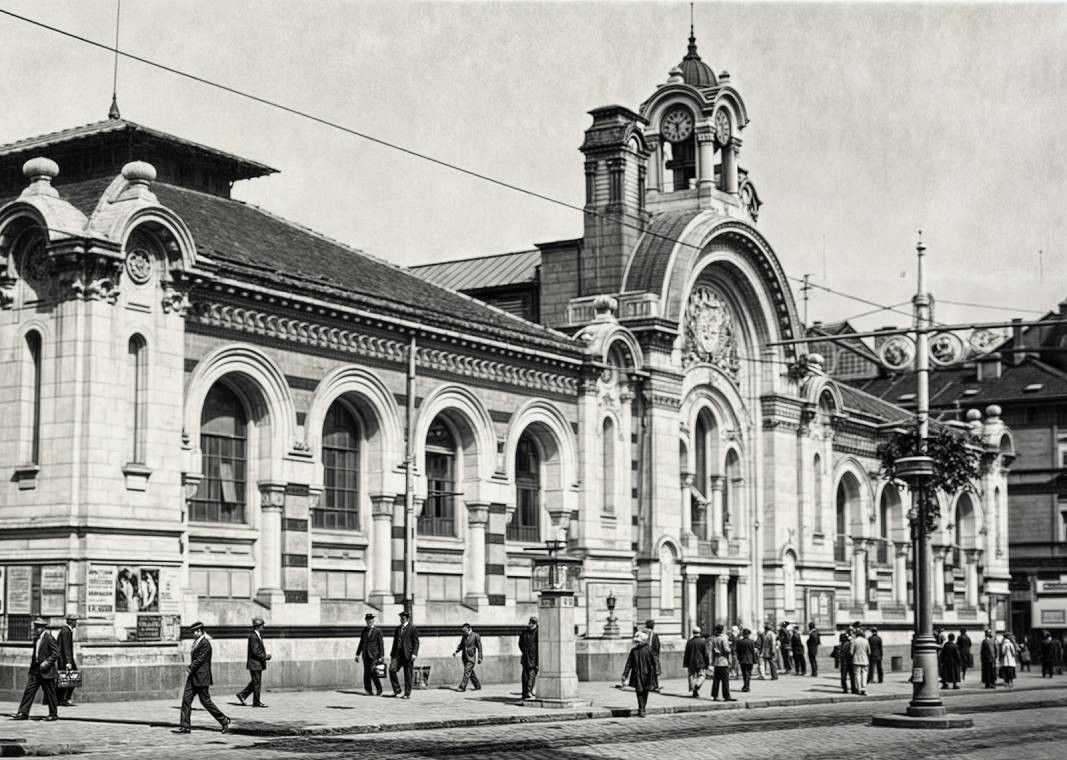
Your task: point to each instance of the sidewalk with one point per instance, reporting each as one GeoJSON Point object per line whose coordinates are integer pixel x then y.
{"type": "Point", "coordinates": [99, 725]}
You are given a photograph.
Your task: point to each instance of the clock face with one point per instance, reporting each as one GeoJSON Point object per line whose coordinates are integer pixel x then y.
{"type": "Point", "coordinates": [677, 125]}
{"type": "Point", "coordinates": [722, 127]}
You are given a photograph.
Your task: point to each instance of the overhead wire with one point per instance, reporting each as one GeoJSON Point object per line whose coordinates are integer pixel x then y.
{"type": "Point", "coordinates": [638, 227]}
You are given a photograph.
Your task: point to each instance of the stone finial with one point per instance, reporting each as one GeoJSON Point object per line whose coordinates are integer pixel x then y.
{"type": "Point", "coordinates": [973, 415]}
{"type": "Point", "coordinates": [992, 413]}
{"type": "Point", "coordinates": [40, 171]}
{"type": "Point", "coordinates": [724, 76]}
{"type": "Point", "coordinates": [675, 76]}
{"type": "Point", "coordinates": [605, 307]}
{"type": "Point", "coordinates": [139, 173]}
{"type": "Point", "coordinates": [815, 362]}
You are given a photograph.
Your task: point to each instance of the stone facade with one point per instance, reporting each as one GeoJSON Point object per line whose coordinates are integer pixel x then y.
{"type": "Point", "coordinates": [204, 416]}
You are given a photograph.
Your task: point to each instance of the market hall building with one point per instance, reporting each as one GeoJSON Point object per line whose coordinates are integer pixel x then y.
{"type": "Point", "coordinates": [203, 413]}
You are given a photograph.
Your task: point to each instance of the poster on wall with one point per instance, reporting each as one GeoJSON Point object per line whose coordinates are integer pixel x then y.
{"type": "Point", "coordinates": [53, 589]}
{"type": "Point", "coordinates": [169, 602]}
{"type": "Point", "coordinates": [148, 589]}
{"type": "Point", "coordinates": [19, 590]}
{"type": "Point", "coordinates": [100, 591]}
{"type": "Point", "coordinates": [821, 608]}
{"type": "Point", "coordinates": [127, 590]}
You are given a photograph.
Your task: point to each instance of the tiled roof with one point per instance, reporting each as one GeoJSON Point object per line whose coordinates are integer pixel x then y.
{"type": "Point", "coordinates": [254, 245]}
{"type": "Point", "coordinates": [518, 268]}
{"type": "Point", "coordinates": [249, 168]}
{"type": "Point", "coordinates": [1032, 379]}
{"type": "Point", "coordinates": [839, 329]}
{"type": "Point", "coordinates": [865, 403]}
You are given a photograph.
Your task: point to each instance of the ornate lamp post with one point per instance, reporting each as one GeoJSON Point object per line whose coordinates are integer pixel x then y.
{"type": "Point", "coordinates": [611, 628]}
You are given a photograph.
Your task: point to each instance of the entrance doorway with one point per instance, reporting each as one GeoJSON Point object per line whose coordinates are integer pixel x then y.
{"type": "Point", "coordinates": [705, 611]}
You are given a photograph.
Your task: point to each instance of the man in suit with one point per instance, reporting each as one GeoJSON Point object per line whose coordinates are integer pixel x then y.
{"type": "Point", "coordinates": [653, 645]}
{"type": "Point", "coordinates": [372, 649]}
{"type": "Point", "coordinates": [769, 651]}
{"type": "Point", "coordinates": [875, 642]}
{"type": "Point", "coordinates": [256, 663]}
{"type": "Point", "coordinates": [66, 657]}
{"type": "Point", "coordinates": [746, 657]}
{"type": "Point", "coordinates": [695, 661]}
{"type": "Point", "coordinates": [785, 648]}
{"type": "Point", "coordinates": [528, 650]}
{"type": "Point", "coordinates": [988, 654]}
{"type": "Point", "coordinates": [813, 642]}
{"type": "Point", "coordinates": [720, 663]}
{"type": "Point", "coordinates": [470, 644]}
{"type": "Point", "coordinates": [797, 644]}
{"type": "Point", "coordinates": [402, 655]}
{"type": "Point", "coordinates": [42, 673]}
{"type": "Point", "coordinates": [198, 682]}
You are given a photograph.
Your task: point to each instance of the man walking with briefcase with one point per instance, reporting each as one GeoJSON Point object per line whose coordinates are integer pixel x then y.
{"type": "Point", "coordinates": [66, 659]}
{"type": "Point", "coordinates": [256, 663]}
{"type": "Point", "coordinates": [372, 649]}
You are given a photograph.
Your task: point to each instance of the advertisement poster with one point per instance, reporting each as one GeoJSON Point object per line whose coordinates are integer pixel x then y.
{"type": "Point", "coordinates": [53, 589]}
{"type": "Point", "coordinates": [19, 585]}
{"type": "Point", "coordinates": [127, 594]}
{"type": "Point", "coordinates": [100, 591]}
{"type": "Point", "coordinates": [149, 628]}
{"type": "Point", "coordinates": [148, 590]}
{"type": "Point", "coordinates": [169, 602]}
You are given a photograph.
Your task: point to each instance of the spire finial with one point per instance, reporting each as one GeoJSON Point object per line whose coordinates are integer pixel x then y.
{"type": "Point", "coordinates": [692, 37]}
{"type": "Point", "coordinates": [113, 112]}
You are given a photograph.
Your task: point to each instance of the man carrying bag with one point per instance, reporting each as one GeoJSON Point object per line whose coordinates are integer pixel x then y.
{"type": "Point", "coordinates": [70, 679]}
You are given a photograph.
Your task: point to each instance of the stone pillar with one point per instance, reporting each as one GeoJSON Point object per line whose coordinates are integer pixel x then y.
{"type": "Point", "coordinates": [382, 548]}
{"type": "Point", "coordinates": [718, 484]}
{"type": "Point", "coordinates": [474, 557]}
{"type": "Point", "coordinates": [557, 681]}
{"type": "Point", "coordinates": [900, 573]}
{"type": "Point", "coordinates": [687, 507]}
{"type": "Point", "coordinates": [729, 166]}
{"type": "Point", "coordinates": [859, 572]}
{"type": "Point", "coordinates": [655, 165]}
{"type": "Point", "coordinates": [722, 599]}
{"type": "Point", "coordinates": [272, 505]}
{"type": "Point", "coordinates": [690, 604]}
{"type": "Point", "coordinates": [971, 575]}
{"type": "Point", "coordinates": [939, 577]}
{"type": "Point", "coordinates": [744, 603]}
{"type": "Point", "coordinates": [705, 161]}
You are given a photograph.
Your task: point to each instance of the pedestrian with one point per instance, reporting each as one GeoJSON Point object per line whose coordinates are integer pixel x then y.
{"type": "Point", "coordinates": [768, 651]}
{"type": "Point", "coordinates": [653, 645]}
{"type": "Point", "coordinates": [797, 643]}
{"type": "Point", "coordinates": [952, 664]}
{"type": "Point", "coordinates": [844, 663]}
{"type": "Point", "coordinates": [720, 663]}
{"type": "Point", "coordinates": [42, 674]}
{"type": "Point", "coordinates": [640, 671]}
{"type": "Point", "coordinates": [371, 649]}
{"type": "Point", "coordinates": [695, 661]}
{"type": "Point", "coordinates": [1024, 656]}
{"type": "Point", "coordinates": [746, 657]}
{"type": "Point", "coordinates": [198, 682]}
{"type": "Point", "coordinates": [759, 655]}
{"type": "Point", "coordinates": [963, 643]}
{"type": "Point", "coordinates": [988, 655]}
{"type": "Point", "coordinates": [734, 634]}
{"type": "Point", "coordinates": [814, 640]}
{"type": "Point", "coordinates": [1009, 654]}
{"type": "Point", "coordinates": [861, 660]}
{"type": "Point", "coordinates": [1048, 658]}
{"type": "Point", "coordinates": [528, 658]}
{"type": "Point", "coordinates": [470, 644]}
{"type": "Point", "coordinates": [66, 657]}
{"type": "Point", "coordinates": [1057, 655]}
{"type": "Point", "coordinates": [875, 643]}
{"type": "Point", "coordinates": [402, 655]}
{"type": "Point", "coordinates": [256, 662]}
{"type": "Point", "coordinates": [785, 647]}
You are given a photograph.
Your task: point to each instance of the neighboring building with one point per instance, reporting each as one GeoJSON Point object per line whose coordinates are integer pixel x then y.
{"type": "Point", "coordinates": [203, 414]}
{"type": "Point", "coordinates": [846, 359]}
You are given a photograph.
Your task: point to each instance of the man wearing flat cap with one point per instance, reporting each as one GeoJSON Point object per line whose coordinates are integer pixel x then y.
{"type": "Point", "coordinates": [256, 663]}
{"type": "Point", "coordinates": [198, 682]}
{"type": "Point", "coordinates": [42, 673]}
{"type": "Point", "coordinates": [528, 660]}
{"type": "Point", "coordinates": [66, 657]}
{"type": "Point", "coordinates": [402, 655]}
{"type": "Point", "coordinates": [372, 649]}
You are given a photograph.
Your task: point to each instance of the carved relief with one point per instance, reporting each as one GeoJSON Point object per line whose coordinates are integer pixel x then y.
{"type": "Point", "coordinates": [709, 332]}
{"type": "Point", "coordinates": [139, 266]}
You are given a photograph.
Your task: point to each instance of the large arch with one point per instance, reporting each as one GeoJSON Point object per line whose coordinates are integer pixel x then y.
{"type": "Point", "coordinates": [469, 420]}
{"type": "Point", "coordinates": [554, 438]}
{"type": "Point", "coordinates": [966, 522]}
{"type": "Point", "coordinates": [891, 518]}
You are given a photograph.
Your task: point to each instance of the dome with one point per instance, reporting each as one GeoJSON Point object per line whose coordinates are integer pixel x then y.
{"type": "Point", "coordinates": [694, 71]}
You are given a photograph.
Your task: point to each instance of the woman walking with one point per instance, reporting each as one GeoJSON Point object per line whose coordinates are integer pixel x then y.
{"type": "Point", "coordinates": [1009, 652]}
{"type": "Point", "coordinates": [640, 671]}
{"type": "Point", "coordinates": [950, 663]}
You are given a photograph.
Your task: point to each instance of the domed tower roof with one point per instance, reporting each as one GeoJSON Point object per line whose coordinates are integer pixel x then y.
{"type": "Point", "coordinates": [694, 71]}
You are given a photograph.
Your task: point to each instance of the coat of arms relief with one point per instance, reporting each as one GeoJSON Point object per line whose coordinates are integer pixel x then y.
{"type": "Point", "coordinates": [709, 332]}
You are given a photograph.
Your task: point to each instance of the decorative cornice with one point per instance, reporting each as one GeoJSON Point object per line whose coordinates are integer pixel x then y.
{"type": "Point", "coordinates": [309, 332]}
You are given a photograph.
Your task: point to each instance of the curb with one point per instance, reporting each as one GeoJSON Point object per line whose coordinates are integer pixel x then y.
{"type": "Point", "coordinates": [17, 748]}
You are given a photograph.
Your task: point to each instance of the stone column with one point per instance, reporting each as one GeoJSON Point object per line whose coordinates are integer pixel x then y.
{"type": "Point", "coordinates": [900, 573]}
{"type": "Point", "coordinates": [729, 166]}
{"type": "Point", "coordinates": [971, 575]}
{"type": "Point", "coordinates": [744, 603]}
{"type": "Point", "coordinates": [718, 484]}
{"type": "Point", "coordinates": [687, 506]}
{"type": "Point", "coordinates": [939, 576]}
{"type": "Point", "coordinates": [272, 505]}
{"type": "Point", "coordinates": [382, 548]}
{"type": "Point", "coordinates": [705, 161]}
{"type": "Point", "coordinates": [474, 557]}
{"type": "Point", "coordinates": [859, 572]}
{"type": "Point", "coordinates": [690, 604]}
{"type": "Point", "coordinates": [655, 165]}
{"type": "Point", "coordinates": [722, 599]}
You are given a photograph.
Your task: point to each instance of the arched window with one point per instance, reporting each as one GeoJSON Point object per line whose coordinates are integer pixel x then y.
{"type": "Point", "coordinates": [841, 536]}
{"type": "Point", "coordinates": [607, 466]}
{"type": "Point", "coordinates": [137, 363]}
{"type": "Point", "coordinates": [816, 490]}
{"type": "Point", "coordinates": [33, 394]}
{"type": "Point", "coordinates": [439, 514]}
{"type": "Point", "coordinates": [525, 525]}
{"type": "Point", "coordinates": [339, 508]}
{"type": "Point", "coordinates": [224, 444]}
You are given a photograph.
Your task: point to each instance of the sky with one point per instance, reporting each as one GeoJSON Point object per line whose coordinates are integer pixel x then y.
{"type": "Point", "coordinates": [868, 123]}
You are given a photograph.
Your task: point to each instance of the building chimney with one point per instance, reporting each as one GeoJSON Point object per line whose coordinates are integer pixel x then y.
{"type": "Point", "coordinates": [1018, 354]}
{"type": "Point", "coordinates": [989, 367]}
